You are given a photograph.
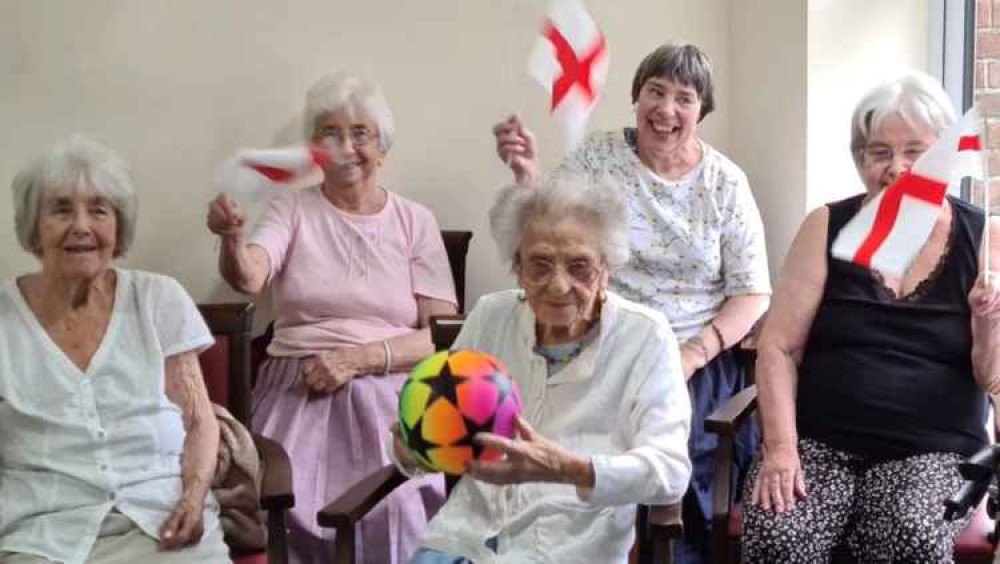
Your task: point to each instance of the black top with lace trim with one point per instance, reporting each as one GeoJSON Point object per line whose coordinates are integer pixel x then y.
{"type": "Point", "coordinates": [886, 377]}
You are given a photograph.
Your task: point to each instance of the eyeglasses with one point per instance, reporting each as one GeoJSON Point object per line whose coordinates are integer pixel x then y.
{"type": "Point", "coordinates": [541, 272]}
{"type": "Point", "coordinates": [878, 154]}
{"type": "Point", "coordinates": [359, 136]}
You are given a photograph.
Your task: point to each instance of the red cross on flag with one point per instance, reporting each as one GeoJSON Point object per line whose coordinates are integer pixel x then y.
{"type": "Point", "coordinates": [571, 63]}
{"type": "Point", "coordinates": [284, 166]}
{"type": "Point", "coordinates": [258, 171]}
{"type": "Point", "coordinates": [891, 228]}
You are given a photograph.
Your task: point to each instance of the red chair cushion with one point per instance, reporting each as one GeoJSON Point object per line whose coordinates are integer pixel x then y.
{"type": "Point", "coordinates": [736, 521]}
{"type": "Point", "coordinates": [974, 539]}
{"type": "Point", "coordinates": [215, 367]}
{"type": "Point", "coordinates": [251, 559]}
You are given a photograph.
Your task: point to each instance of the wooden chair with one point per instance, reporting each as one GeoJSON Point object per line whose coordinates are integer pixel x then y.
{"type": "Point", "coordinates": [456, 243]}
{"type": "Point", "coordinates": [657, 527]}
{"type": "Point", "coordinates": [226, 368]}
{"type": "Point", "coordinates": [976, 544]}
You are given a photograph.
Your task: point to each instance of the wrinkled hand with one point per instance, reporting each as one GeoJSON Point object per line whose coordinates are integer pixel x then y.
{"type": "Point", "coordinates": [185, 526]}
{"type": "Point", "coordinates": [403, 454]}
{"type": "Point", "coordinates": [780, 480]}
{"type": "Point", "coordinates": [327, 371]}
{"type": "Point", "coordinates": [984, 299]}
{"type": "Point", "coordinates": [516, 148]}
{"type": "Point", "coordinates": [225, 218]}
{"type": "Point", "coordinates": [527, 458]}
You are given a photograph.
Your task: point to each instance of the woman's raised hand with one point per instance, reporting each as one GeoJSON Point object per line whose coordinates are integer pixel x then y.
{"type": "Point", "coordinates": [516, 148]}
{"type": "Point", "coordinates": [225, 218]}
{"type": "Point", "coordinates": [780, 481]}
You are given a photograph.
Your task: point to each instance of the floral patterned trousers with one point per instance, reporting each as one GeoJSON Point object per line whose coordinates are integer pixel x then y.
{"type": "Point", "coordinates": [888, 511]}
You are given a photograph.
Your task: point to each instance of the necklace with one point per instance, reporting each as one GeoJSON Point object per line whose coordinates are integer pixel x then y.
{"type": "Point", "coordinates": [561, 353]}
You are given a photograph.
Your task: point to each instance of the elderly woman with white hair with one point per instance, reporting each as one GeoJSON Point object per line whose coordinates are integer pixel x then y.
{"type": "Point", "coordinates": [355, 271]}
{"type": "Point", "coordinates": [606, 415]}
{"type": "Point", "coordinates": [697, 243]}
{"type": "Point", "coordinates": [873, 387]}
{"type": "Point", "coordinates": [108, 441]}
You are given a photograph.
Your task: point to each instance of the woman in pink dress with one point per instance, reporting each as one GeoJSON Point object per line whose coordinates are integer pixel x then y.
{"type": "Point", "coordinates": [355, 272]}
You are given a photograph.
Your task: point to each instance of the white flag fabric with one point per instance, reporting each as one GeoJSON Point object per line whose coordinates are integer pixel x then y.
{"type": "Point", "coordinates": [570, 61]}
{"type": "Point", "coordinates": [890, 229]}
{"type": "Point", "coordinates": [257, 171]}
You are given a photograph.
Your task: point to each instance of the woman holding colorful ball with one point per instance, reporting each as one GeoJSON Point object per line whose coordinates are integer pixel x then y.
{"type": "Point", "coordinates": [697, 243]}
{"type": "Point", "coordinates": [605, 414]}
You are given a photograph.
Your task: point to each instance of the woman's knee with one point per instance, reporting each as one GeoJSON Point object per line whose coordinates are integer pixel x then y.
{"type": "Point", "coordinates": [790, 537]}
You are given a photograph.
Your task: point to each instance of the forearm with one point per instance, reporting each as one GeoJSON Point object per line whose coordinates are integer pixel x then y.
{"type": "Point", "coordinates": [404, 352]}
{"type": "Point", "coordinates": [185, 388]}
{"type": "Point", "coordinates": [578, 471]}
{"type": "Point", "coordinates": [642, 475]}
{"type": "Point", "coordinates": [198, 461]}
{"type": "Point", "coordinates": [777, 377]}
{"type": "Point", "coordinates": [985, 350]}
{"type": "Point", "coordinates": [737, 316]}
{"type": "Point", "coordinates": [237, 267]}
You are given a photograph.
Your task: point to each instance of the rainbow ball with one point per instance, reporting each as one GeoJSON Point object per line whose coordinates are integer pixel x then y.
{"type": "Point", "coordinates": [447, 399]}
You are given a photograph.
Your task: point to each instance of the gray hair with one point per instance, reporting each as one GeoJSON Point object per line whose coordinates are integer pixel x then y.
{"type": "Point", "coordinates": [597, 205]}
{"type": "Point", "coordinates": [62, 169]}
{"type": "Point", "coordinates": [915, 97]}
{"type": "Point", "coordinates": [342, 91]}
{"type": "Point", "coordinates": [682, 62]}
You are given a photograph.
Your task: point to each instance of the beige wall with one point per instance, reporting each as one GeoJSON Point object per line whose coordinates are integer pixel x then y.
{"type": "Point", "coordinates": [768, 115]}
{"type": "Point", "coordinates": [853, 45]}
{"type": "Point", "coordinates": [792, 91]}
{"type": "Point", "coordinates": [178, 85]}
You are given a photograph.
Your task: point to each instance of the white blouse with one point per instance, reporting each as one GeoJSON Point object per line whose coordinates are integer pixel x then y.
{"type": "Point", "coordinates": [694, 242]}
{"type": "Point", "coordinates": [73, 444]}
{"type": "Point", "coordinates": [622, 401]}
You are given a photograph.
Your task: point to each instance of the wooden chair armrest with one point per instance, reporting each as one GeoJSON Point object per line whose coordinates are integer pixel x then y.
{"type": "Point", "coordinates": [276, 487]}
{"type": "Point", "coordinates": [728, 419]}
{"type": "Point", "coordinates": [360, 498]}
{"type": "Point", "coordinates": [665, 521]}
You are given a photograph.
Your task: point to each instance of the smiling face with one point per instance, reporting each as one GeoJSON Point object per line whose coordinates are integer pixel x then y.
{"type": "Point", "coordinates": [563, 275]}
{"type": "Point", "coordinates": [76, 232]}
{"type": "Point", "coordinates": [892, 148]}
{"type": "Point", "coordinates": [352, 139]}
{"type": "Point", "coordinates": [666, 114]}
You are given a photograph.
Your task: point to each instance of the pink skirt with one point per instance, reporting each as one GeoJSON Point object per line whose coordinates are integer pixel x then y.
{"type": "Point", "coordinates": [335, 441]}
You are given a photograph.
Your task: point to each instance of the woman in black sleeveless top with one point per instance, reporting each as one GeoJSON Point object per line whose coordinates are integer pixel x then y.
{"type": "Point", "coordinates": [873, 388]}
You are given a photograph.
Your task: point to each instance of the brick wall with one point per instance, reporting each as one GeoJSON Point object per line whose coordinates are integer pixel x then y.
{"type": "Point", "coordinates": [987, 91]}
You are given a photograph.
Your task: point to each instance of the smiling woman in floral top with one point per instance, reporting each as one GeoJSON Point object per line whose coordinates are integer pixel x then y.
{"type": "Point", "coordinates": [696, 239]}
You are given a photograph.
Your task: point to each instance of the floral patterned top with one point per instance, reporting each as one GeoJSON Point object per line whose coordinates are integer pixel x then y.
{"type": "Point", "coordinates": [693, 241]}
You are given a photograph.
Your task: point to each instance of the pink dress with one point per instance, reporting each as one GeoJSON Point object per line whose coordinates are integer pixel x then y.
{"type": "Point", "coordinates": [343, 279]}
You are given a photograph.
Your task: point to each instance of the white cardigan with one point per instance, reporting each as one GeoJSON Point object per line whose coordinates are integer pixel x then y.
{"type": "Point", "coordinates": [623, 401]}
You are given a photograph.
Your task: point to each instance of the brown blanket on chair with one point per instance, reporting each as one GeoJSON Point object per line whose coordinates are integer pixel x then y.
{"type": "Point", "coordinates": [236, 485]}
